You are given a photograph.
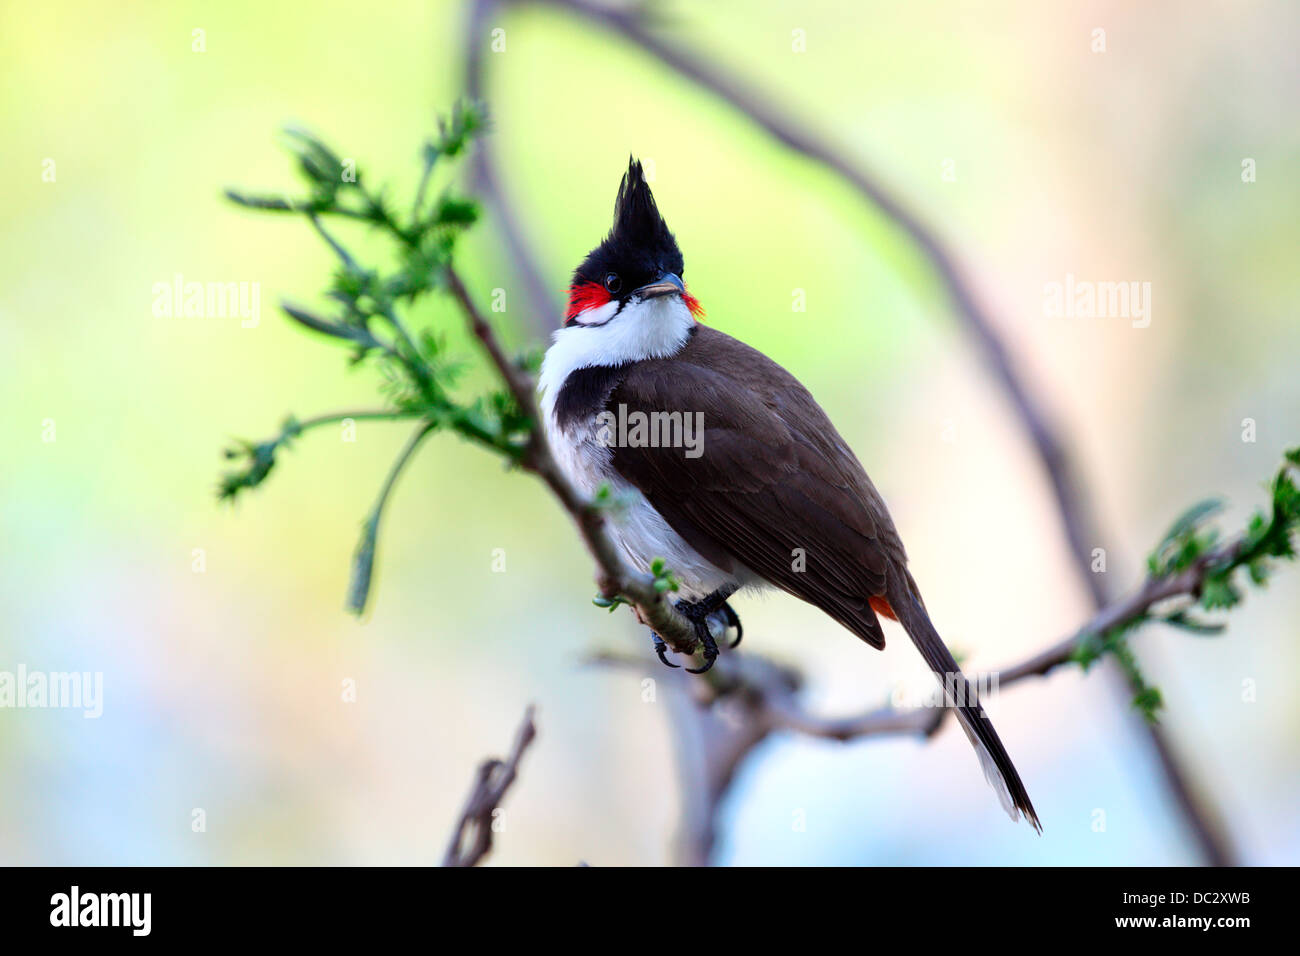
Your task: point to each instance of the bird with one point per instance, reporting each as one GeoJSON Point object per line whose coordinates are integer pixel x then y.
{"type": "Point", "coordinates": [725, 469]}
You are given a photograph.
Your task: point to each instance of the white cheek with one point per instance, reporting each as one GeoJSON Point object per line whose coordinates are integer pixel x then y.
{"type": "Point", "coordinates": [601, 313]}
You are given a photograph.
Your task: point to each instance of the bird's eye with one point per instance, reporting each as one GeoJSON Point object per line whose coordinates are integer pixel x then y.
{"type": "Point", "coordinates": [612, 282]}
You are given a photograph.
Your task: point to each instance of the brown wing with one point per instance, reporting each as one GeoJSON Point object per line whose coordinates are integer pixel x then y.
{"type": "Point", "coordinates": [775, 481]}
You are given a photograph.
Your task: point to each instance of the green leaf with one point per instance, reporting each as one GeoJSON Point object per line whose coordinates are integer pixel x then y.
{"type": "Point", "coordinates": [259, 460]}
{"type": "Point", "coordinates": [1184, 620]}
{"type": "Point", "coordinates": [453, 211]}
{"type": "Point", "coordinates": [1259, 571]}
{"type": "Point", "coordinates": [1087, 651]}
{"type": "Point", "coordinates": [610, 604]}
{"type": "Point", "coordinates": [1286, 496]}
{"type": "Point", "coordinates": [363, 565]}
{"type": "Point", "coordinates": [1184, 544]}
{"type": "Point", "coordinates": [1192, 518]}
{"type": "Point", "coordinates": [1149, 701]}
{"type": "Point", "coordinates": [317, 162]}
{"type": "Point", "coordinates": [1218, 592]}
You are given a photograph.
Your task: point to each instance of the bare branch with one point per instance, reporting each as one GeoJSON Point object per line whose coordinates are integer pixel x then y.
{"type": "Point", "coordinates": [472, 840]}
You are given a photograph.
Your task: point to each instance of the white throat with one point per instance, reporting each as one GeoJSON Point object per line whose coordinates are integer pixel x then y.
{"type": "Point", "coordinates": [656, 328]}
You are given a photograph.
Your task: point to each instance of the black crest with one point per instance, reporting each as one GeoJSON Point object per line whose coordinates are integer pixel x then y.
{"type": "Point", "coordinates": [639, 246]}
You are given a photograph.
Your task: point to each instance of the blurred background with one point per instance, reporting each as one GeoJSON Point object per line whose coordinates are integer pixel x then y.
{"type": "Point", "coordinates": [220, 632]}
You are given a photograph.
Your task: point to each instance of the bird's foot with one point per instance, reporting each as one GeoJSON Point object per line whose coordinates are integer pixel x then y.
{"type": "Point", "coordinates": [704, 636]}
{"type": "Point", "coordinates": [698, 613]}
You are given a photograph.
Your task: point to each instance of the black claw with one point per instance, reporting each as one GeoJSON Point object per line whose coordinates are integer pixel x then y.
{"type": "Point", "coordinates": [710, 646]}
{"type": "Point", "coordinates": [708, 664]}
{"type": "Point", "coordinates": [662, 650]}
{"type": "Point", "coordinates": [698, 613]}
{"type": "Point", "coordinates": [733, 620]}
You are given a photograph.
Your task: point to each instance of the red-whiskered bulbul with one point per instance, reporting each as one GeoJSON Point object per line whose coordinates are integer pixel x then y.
{"type": "Point", "coordinates": [768, 494]}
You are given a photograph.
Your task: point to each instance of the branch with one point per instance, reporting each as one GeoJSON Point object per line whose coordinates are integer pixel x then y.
{"type": "Point", "coordinates": [472, 840]}
{"type": "Point", "coordinates": [1132, 610]}
{"type": "Point", "coordinates": [259, 457]}
{"type": "Point", "coordinates": [720, 720]}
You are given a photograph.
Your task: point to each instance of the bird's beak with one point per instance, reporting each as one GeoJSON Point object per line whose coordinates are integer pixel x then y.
{"type": "Point", "coordinates": [666, 284]}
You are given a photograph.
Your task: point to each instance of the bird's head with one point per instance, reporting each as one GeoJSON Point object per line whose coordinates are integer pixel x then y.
{"type": "Point", "coordinates": [636, 271]}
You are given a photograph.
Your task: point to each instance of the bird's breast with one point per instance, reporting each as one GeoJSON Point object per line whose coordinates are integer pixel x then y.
{"type": "Point", "coordinates": [634, 524]}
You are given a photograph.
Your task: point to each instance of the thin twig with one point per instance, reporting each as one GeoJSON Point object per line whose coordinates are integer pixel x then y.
{"type": "Point", "coordinates": [472, 839]}
{"type": "Point", "coordinates": [354, 333]}
{"type": "Point", "coordinates": [412, 358]}
{"type": "Point", "coordinates": [426, 174]}
{"type": "Point", "coordinates": [370, 414]}
{"type": "Point", "coordinates": [344, 256]}
{"type": "Point", "coordinates": [277, 204]}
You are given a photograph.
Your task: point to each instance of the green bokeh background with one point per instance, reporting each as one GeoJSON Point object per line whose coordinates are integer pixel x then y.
{"type": "Point", "coordinates": [222, 688]}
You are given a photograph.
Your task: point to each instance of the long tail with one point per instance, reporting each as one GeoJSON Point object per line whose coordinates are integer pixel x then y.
{"type": "Point", "coordinates": [1000, 772]}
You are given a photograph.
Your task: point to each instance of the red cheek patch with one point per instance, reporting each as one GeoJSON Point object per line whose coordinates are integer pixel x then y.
{"type": "Point", "coordinates": [584, 296]}
{"type": "Point", "coordinates": [693, 304]}
{"type": "Point", "coordinates": [592, 295]}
